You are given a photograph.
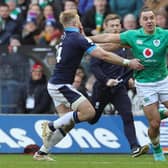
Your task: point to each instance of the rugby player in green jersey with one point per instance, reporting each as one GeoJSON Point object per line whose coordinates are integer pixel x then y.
{"type": "Point", "coordinates": [149, 44]}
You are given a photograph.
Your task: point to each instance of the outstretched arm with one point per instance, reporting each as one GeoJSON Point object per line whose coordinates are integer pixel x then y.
{"type": "Point", "coordinates": [110, 46]}
{"type": "Point", "coordinates": [116, 59]}
{"type": "Point", "coordinates": [106, 38]}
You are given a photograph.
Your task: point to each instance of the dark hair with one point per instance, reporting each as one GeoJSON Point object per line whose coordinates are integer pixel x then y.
{"type": "Point", "coordinates": [75, 1]}
{"type": "Point", "coordinates": [145, 9]}
{"type": "Point", "coordinates": [111, 17]}
{"type": "Point", "coordinates": [2, 4]}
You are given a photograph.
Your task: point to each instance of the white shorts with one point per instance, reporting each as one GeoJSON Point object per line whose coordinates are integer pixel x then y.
{"type": "Point", "coordinates": [65, 94]}
{"type": "Point", "coordinates": [150, 93]}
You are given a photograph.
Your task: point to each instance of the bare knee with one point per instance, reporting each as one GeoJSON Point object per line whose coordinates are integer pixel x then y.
{"type": "Point", "coordinates": [92, 114]}
{"type": "Point", "coordinates": [86, 114]}
{"type": "Point", "coordinates": [155, 124]}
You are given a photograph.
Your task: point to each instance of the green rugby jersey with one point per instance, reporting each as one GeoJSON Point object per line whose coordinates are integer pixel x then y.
{"type": "Point", "coordinates": [151, 50]}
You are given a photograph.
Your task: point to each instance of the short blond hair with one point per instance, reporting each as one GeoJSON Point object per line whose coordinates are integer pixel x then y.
{"type": "Point", "coordinates": [66, 17]}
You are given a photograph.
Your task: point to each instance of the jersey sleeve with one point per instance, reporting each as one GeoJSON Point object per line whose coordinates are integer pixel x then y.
{"type": "Point", "coordinates": [125, 37]}
{"type": "Point", "coordinates": [87, 45]}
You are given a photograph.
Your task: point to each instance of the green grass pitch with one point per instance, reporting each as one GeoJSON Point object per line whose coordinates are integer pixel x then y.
{"type": "Point", "coordinates": [81, 161]}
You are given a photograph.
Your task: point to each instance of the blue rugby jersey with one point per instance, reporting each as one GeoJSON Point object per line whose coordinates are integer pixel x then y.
{"type": "Point", "coordinates": [70, 51]}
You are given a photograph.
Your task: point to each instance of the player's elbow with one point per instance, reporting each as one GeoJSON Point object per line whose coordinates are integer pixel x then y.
{"type": "Point", "coordinates": [100, 53]}
{"type": "Point", "coordinates": [104, 56]}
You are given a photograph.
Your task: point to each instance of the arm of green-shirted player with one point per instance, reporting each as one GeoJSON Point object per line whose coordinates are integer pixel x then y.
{"type": "Point", "coordinates": [111, 46]}
{"type": "Point", "coordinates": [106, 38]}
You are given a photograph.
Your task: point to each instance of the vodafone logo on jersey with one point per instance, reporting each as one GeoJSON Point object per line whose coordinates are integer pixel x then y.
{"type": "Point", "coordinates": [147, 52]}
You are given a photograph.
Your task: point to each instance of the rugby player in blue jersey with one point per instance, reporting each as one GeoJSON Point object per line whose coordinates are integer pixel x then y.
{"type": "Point", "coordinates": [149, 44]}
{"type": "Point", "coordinates": [70, 104]}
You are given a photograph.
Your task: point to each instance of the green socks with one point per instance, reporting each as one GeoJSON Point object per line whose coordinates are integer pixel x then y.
{"type": "Point", "coordinates": [157, 149]}
{"type": "Point", "coordinates": [162, 113]}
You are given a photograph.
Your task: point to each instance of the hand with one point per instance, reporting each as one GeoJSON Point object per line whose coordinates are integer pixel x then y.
{"type": "Point", "coordinates": [112, 82]}
{"type": "Point", "coordinates": [135, 64]}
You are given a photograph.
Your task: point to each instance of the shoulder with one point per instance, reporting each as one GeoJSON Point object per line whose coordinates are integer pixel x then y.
{"type": "Point", "coordinates": [75, 35]}
{"type": "Point", "coordinates": [161, 30]}
{"type": "Point", "coordinates": [129, 36]}
{"type": "Point", "coordinates": [128, 33]}
{"type": "Point", "coordinates": [72, 37]}
{"type": "Point", "coordinates": [78, 37]}
{"type": "Point", "coordinates": [131, 31]}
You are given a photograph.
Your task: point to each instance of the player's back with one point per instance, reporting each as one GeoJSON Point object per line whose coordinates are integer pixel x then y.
{"type": "Point", "coordinates": [69, 54]}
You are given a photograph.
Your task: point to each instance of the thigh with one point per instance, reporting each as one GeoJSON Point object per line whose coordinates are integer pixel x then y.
{"type": "Point", "coordinates": [100, 98]}
{"type": "Point", "coordinates": [151, 112]}
{"type": "Point", "coordinates": [147, 94]}
{"type": "Point", "coordinates": [163, 90]}
{"type": "Point", "coordinates": [121, 101]}
{"type": "Point", "coordinates": [100, 94]}
{"type": "Point", "coordinates": [65, 95]}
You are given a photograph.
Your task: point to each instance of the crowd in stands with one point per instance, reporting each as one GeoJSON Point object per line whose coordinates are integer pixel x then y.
{"type": "Point", "coordinates": [36, 22]}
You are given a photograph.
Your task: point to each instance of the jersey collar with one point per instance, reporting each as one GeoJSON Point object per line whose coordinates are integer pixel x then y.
{"type": "Point", "coordinates": [72, 29]}
{"type": "Point", "coordinates": [148, 33]}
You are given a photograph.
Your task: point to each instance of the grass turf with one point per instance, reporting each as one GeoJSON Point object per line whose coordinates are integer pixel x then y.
{"type": "Point", "coordinates": [81, 161]}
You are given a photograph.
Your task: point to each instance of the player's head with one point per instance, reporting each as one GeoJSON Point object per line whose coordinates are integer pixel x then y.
{"type": "Point", "coordinates": [148, 20]}
{"type": "Point", "coordinates": [70, 18]}
{"type": "Point", "coordinates": [112, 23]}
